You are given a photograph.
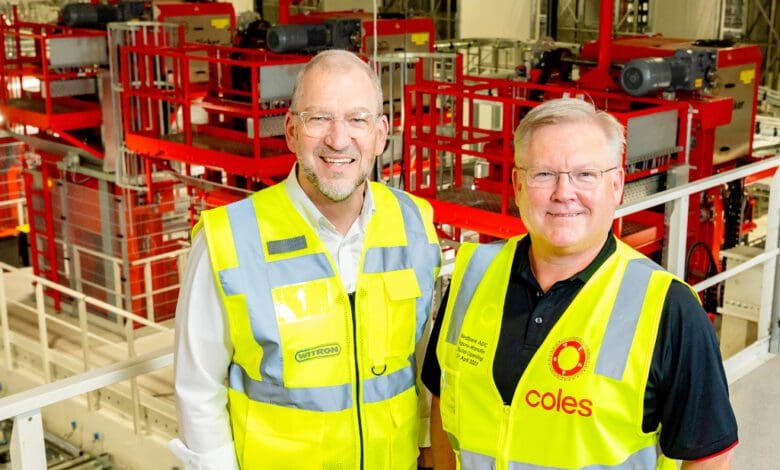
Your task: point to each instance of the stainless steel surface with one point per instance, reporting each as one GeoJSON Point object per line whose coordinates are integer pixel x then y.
{"type": "Point", "coordinates": [636, 190]}
{"type": "Point", "coordinates": [650, 136]}
{"type": "Point", "coordinates": [277, 81]}
{"type": "Point", "coordinates": [732, 140]}
{"type": "Point", "coordinates": [269, 126]}
{"type": "Point", "coordinates": [77, 51]}
{"type": "Point", "coordinates": [75, 87]}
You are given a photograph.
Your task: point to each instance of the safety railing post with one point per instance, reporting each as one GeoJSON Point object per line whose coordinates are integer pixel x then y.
{"type": "Point", "coordinates": [28, 451]}
{"type": "Point", "coordinates": [5, 328]}
{"type": "Point", "coordinates": [181, 263]}
{"type": "Point", "coordinates": [771, 299]}
{"type": "Point", "coordinates": [149, 294]}
{"type": "Point", "coordinates": [117, 269]}
{"type": "Point", "coordinates": [81, 306]}
{"type": "Point", "coordinates": [43, 336]}
{"type": "Point", "coordinates": [134, 394]}
{"type": "Point", "coordinates": [677, 222]}
{"type": "Point", "coordinates": [77, 268]}
{"type": "Point", "coordinates": [20, 212]}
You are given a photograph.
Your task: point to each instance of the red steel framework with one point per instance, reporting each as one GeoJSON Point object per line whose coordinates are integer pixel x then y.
{"type": "Point", "coordinates": [486, 204]}
{"type": "Point", "coordinates": [34, 100]}
{"type": "Point", "coordinates": [75, 208]}
{"type": "Point", "coordinates": [11, 186]}
{"type": "Point", "coordinates": [235, 112]}
{"type": "Point", "coordinates": [29, 73]}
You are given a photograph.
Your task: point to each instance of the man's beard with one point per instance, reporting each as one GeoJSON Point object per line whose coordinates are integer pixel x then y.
{"type": "Point", "coordinates": [339, 189]}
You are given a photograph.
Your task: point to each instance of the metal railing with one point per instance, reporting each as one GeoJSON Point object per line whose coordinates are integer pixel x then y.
{"type": "Point", "coordinates": [116, 291]}
{"type": "Point", "coordinates": [87, 376]}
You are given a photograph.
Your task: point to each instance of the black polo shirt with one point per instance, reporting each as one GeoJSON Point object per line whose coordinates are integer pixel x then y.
{"type": "Point", "coordinates": [686, 390]}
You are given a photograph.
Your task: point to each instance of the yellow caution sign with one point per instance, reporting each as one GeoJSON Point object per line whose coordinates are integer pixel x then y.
{"type": "Point", "coordinates": [420, 38]}
{"type": "Point", "coordinates": [220, 23]}
{"type": "Point", "coordinates": [747, 76]}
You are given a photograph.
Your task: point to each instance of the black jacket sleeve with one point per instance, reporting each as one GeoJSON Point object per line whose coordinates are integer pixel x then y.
{"type": "Point", "coordinates": [687, 391]}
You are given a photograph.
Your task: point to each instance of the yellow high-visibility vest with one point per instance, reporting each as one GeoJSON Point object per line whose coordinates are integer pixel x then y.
{"type": "Point", "coordinates": [312, 386]}
{"type": "Point", "coordinates": [579, 404]}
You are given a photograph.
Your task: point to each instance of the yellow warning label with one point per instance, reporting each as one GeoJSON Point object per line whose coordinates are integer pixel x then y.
{"type": "Point", "coordinates": [420, 38]}
{"type": "Point", "coordinates": [220, 23]}
{"type": "Point", "coordinates": [747, 76]}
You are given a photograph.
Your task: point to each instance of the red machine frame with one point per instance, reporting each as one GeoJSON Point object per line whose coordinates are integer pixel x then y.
{"type": "Point", "coordinates": [214, 144]}
{"type": "Point", "coordinates": [60, 115]}
{"type": "Point", "coordinates": [496, 147]}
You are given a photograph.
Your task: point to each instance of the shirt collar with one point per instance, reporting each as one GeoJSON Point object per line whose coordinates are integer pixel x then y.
{"type": "Point", "coordinates": [521, 267]}
{"type": "Point", "coordinates": [313, 216]}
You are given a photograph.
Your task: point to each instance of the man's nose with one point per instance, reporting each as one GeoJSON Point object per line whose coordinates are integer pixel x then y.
{"type": "Point", "coordinates": [564, 189]}
{"type": "Point", "coordinates": [338, 135]}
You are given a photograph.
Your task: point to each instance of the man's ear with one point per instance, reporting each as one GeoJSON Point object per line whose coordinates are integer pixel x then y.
{"type": "Point", "coordinates": [382, 129]}
{"type": "Point", "coordinates": [289, 132]}
{"type": "Point", "coordinates": [618, 182]}
{"type": "Point", "coordinates": [517, 181]}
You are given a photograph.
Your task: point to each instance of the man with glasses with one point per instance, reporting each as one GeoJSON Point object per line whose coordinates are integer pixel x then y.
{"type": "Point", "coordinates": [565, 348]}
{"type": "Point", "coordinates": [302, 305]}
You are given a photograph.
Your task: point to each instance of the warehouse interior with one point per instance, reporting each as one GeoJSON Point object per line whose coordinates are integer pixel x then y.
{"type": "Point", "coordinates": [121, 120]}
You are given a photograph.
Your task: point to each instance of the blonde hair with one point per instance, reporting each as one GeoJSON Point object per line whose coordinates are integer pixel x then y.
{"type": "Point", "coordinates": [569, 110]}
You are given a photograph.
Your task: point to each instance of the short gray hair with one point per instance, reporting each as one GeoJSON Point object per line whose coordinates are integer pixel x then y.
{"type": "Point", "coordinates": [570, 110]}
{"type": "Point", "coordinates": [338, 60]}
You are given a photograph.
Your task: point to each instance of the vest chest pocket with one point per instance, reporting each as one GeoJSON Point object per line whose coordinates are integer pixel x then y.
{"type": "Point", "coordinates": [312, 320]}
{"type": "Point", "coordinates": [392, 314]}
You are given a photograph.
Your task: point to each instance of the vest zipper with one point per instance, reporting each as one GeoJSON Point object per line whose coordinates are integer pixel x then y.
{"type": "Point", "coordinates": [353, 301]}
{"type": "Point", "coordinates": [502, 458]}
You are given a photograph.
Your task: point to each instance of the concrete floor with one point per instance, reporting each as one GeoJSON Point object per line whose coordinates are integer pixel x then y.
{"type": "Point", "coordinates": [756, 401]}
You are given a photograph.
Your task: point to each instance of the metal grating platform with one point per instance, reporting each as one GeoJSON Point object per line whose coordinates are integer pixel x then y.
{"type": "Point", "coordinates": [477, 199]}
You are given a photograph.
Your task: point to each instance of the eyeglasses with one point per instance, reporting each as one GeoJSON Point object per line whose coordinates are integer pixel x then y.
{"type": "Point", "coordinates": [317, 124]}
{"type": "Point", "coordinates": [545, 178]}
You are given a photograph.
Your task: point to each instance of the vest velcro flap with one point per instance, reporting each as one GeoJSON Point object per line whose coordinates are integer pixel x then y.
{"type": "Point", "coordinates": [401, 284]}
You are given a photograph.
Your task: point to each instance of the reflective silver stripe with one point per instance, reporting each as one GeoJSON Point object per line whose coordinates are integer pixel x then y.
{"type": "Point", "coordinates": [385, 387]}
{"type": "Point", "coordinates": [287, 245]}
{"type": "Point", "coordinates": [254, 278]}
{"type": "Point", "coordinates": [381, 259]}
{"type": "Point", "coordinates": [332, 398]}
{"type": "Point", "coordinates": [481, 258]}
{"type": "Point", "coordinates": [421, 255]}
{"type": "Point", "coordinates": [300, 269]}
{"type": "Point", "coordinates": [645, 459]}
{"type": "Point", "coordinates": [624, 318]}
{"type": "Point", "coordinates": [474, 461]}
{"type": "Point", "coordinates": [251, 279]}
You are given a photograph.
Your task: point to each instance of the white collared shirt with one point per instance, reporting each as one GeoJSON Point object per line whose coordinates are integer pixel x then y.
{"type": "Point", "coordinates": [203, 348]}
{"type": "Point", "coordinates": [344, 249]}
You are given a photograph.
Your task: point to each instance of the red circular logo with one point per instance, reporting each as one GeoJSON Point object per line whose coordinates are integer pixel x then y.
{"type": "Point", "coordinates": [573, 363]}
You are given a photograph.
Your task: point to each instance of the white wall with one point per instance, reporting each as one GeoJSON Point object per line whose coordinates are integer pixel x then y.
{"type": "Point", "coordinates": [509, 19]}
{"type": "Point", "coordinates": [689, 19]}
{"type": "Point", "coordinates": [241, 6]}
